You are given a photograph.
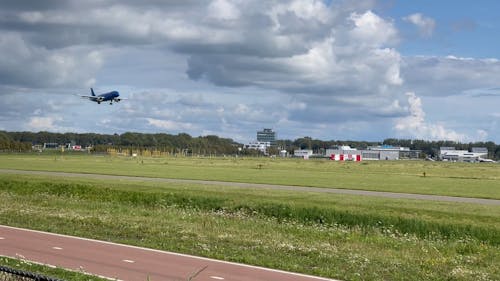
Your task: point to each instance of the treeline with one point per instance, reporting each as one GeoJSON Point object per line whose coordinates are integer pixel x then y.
{"type": "Point", "coordinates": [209, 145]}
{"type": "Point", "coordinates": [180, 143]}
{"type": "Point", "coordinates": [9, 144]}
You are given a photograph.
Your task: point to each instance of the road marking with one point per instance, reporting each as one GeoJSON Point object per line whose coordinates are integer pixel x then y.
{"type": "Point", "coordinates": [2, 238]}
{"type": "Point", "coordinates": [108, 278]}
{"type": "Point", "coordinates": [129, 261]}
{"type": "Point", "coordinates": [217, 277]}
{"type": "Point", "coordinates": [57, 248]}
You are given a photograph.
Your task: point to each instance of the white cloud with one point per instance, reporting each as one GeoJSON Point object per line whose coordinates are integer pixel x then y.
{"type": "Point", "coordinates": [231, 66]}
{"type": "Point", "coordinates": [425, 25]}
{"type": "Point", "coordinates": [223, 9]}
{"type": "Point", "coordinates": [39, 123]}
{"type": "Point", "coordinates": [373, 30]}
{"type": "Point", "coordinates": [305, 9]}
{"type": "Point", "coordinates": [169, 125]}
{"type": "Point", "coordinates": [414, 125]}
{"type": "Point", "coordinates": [481, 135]}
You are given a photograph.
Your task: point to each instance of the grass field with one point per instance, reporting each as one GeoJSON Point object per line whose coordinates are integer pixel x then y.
{"type": "Point", "coordinates": [43, 270]}
{"type": "Point", "coordinates": [479, 180]}
{"type": "Point", "coordinates": [331, 235]}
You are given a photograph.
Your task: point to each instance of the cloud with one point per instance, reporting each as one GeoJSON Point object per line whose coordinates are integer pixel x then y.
{"type": "Point", "coordinates": [27, 65]}
{"type": "Point", "coordinates": [354, 54]}
{"type": "Point", "coordinates": [169, 125]}
{"type": "Point", "coordinates": [371, 29]}
{"type": "Point", "coordinates": [415, 126]}
{"type": "Point", "coordinates": [446, 76]}
{"type": "Point", "coordinates": [43, 123]}
{"type": "Point", "coordinates": [324, 49]}
{"type": "Point", "coordinates": [228, 66]}
{"type": "Point", "coordinates": [425, 25]}
{"type": "Point", "coordinates": [223, 9]}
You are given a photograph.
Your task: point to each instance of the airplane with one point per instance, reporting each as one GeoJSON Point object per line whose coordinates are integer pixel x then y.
{"type": "Point", "coordinates": [111, 97]}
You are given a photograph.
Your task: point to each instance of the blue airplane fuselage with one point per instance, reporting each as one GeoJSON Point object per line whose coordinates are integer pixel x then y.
{"type": "Point", "coordinates": [110, 96]}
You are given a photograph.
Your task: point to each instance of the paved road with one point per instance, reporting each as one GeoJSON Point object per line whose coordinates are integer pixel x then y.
{"type": "Point", "coordinates": [125, 262]}
{"type": "Point", "coordinates": [269, 186]}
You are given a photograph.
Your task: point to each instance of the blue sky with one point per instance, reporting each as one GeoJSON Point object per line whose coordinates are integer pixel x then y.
{"type": "Point", "coordinates": [463, 28]}
{"type": "Point", "coordinates": [362, 70]}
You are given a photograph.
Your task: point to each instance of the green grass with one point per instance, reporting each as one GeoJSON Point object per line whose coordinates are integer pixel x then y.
{"type": "Point", "coordinates": [453, 179]}
{"type": "Point", "coordinates": [58, 273]}
{"type": "Point", "coordinates": [331, 235]}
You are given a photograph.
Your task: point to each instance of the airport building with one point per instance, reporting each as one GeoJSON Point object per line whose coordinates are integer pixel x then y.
{"type": "Point", "coordinates": [478, 154]}
{"type": "Point", "coordinates": [261, 146]}
{"type": "Point", "coordinates": [384, 152]}
{"type": "Point", "coordinates": [265, 139]}
{"type": "Point", "coordinates": [303, 153]}
{"type": "Point", "coordinates": [267, 135]}
{"type": "Point", "coordinates": [343, 153]}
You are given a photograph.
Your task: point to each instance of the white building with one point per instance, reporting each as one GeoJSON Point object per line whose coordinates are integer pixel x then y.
{"type": "Point", "coordinates": [451, 154]}
{"type": "Point", "coordinates": [258, 145]}
{"type": "Point", "coordinates": [343, 153]}
{"type": "Point", "coordinates": [304, 153]}
{"type": "Point", "coordinates": [384, 152]}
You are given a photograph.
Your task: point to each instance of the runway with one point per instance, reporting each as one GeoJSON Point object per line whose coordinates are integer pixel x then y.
{"type": "Point", "coordinates": [384, 194]}
{"type": "Point", "coordinates": [123, 262]}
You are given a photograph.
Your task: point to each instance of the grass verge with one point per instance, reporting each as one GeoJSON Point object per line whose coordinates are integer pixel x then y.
{"type": "Point", "coordinates": [338, 236]}
{"type": "Point", "coordinates": [454, 179]}
{"type": "Point", "coordinates": [58, 273]}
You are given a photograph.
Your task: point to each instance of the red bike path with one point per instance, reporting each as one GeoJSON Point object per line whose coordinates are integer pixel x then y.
{"type": "Point", "coordinates": [124, 262]}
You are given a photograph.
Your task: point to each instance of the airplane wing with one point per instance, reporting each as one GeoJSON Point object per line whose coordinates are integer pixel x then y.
{"type": "Point", "coordinates": [92, 98]}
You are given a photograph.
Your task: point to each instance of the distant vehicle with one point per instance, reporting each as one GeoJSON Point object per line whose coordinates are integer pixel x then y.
{"type": "Point", "coordinates": [111, 97]}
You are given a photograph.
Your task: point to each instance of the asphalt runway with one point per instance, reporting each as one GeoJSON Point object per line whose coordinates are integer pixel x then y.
{"type": "Point", "coordinates": [123, 262]}
{"type": "Point", "coordinates": [267, 186]}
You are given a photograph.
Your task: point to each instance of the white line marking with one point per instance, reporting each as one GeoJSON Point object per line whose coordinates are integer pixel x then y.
{"type": "Point", "coordinates": [57, 248]}
{"type": "Point", "coordinates": [2, 238]}
{"type": "Point", "coordinates": [217, 277]}
{"type": "Point", "coordinates": [108, 278]}
{"type": "Point", "coordinates": [172, 253]}
{"type": "Point", "coordinates": [129, 261]}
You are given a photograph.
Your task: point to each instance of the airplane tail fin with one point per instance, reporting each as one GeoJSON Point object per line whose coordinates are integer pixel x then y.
{"type": "Point", "coordinates": [92, 91]}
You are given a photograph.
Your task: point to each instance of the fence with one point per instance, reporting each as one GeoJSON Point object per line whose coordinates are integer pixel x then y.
{"type": "Point", "coordinates": [10, 274]}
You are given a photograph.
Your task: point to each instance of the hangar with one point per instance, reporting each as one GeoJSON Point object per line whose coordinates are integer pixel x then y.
{"type": "Point", "coordinates": [383, 152]}
{"type": "Point", "coordinates": [477, 154]}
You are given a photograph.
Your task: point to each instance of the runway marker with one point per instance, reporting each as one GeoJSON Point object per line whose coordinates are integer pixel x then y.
{"type": "Point", "coordinates": [57, 248]}
{"type": "Point", "coordinates": [129, 261]}
{"type": "Point", "coordinates": [217, 277]}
